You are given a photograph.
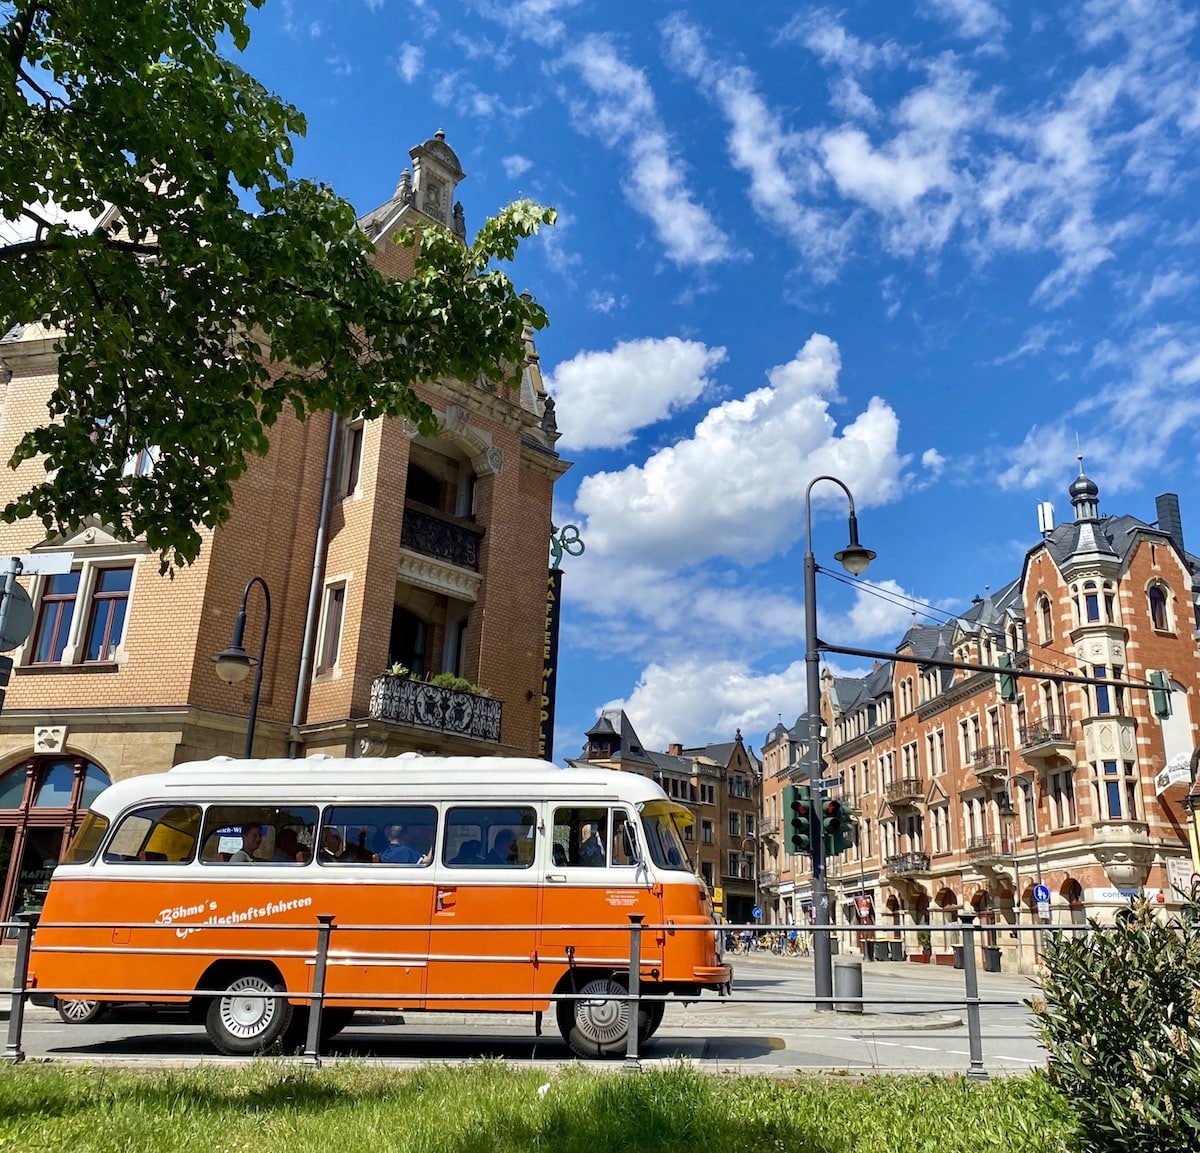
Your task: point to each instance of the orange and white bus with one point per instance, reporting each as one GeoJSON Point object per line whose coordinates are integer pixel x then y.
{"type": "Point", "coordinates": [455, 879]}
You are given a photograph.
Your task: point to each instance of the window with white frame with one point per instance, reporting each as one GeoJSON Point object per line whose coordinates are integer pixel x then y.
{"type": "Point", "coordinates": [350, 456]}
{"type": "Point", "coordinates": [1045, 619]}
{"type": "Point", "coordinates": [1158, 601]}
{"type": "Point", "coordinates": [80, 616]}
{"type": "Point", "coordinates": [1060, 792]}
{"type": "Point", "coordinates": [332, 615]}
{"type": "Point", "coordinates": [1116, 790]}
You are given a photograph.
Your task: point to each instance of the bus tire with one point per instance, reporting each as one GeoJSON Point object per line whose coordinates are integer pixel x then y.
{"type": "Point", "coordinates": [333, 1021]}
{"type": "Point", "coordinates": [79, 1012]}
{"type": "Point", "coordinates": [594, 1025]}
{"type": "Point", "coordinates": [245, 1019]}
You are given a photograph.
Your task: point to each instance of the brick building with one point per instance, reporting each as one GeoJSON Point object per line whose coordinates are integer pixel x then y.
{"type": "Point", "coordinates": [967, 800]}
{"type": "Point", "coordinates": [720, 783]}
{"type": "Point", "coordinates": [378, 547]}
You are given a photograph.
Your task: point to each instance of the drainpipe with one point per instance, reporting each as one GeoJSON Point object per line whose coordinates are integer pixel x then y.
{"type": "Point", "coordinates": [314, 593]}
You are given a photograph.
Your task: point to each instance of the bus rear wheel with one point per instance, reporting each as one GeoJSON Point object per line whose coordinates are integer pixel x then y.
{"type": "Point", "coordinates": [595, 1023]}
{"type": "Point", "coordinates": [77, 1012]}
{"type": "Point", "coordinates": [247, 1018]}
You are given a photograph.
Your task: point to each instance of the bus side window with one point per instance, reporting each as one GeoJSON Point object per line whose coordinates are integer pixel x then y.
{"type": "Point", "coordinates": [582, 835]}
{"type": "Point", "coordinates": [162, 833]}
{"type": "Point", "coordinates": [624, 839]}
{"type": "Point", "coordinates": [258, 834]}
{"type": "Point", "coordinates": [379, 834]}
{"type": "Point", "coordinates": [490, 837]}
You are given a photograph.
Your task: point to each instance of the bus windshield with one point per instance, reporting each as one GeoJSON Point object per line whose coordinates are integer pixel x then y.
{"type": "Point", "coordinates": [661, 822]}
{"type": "Point", "coordinates": [85, 842]}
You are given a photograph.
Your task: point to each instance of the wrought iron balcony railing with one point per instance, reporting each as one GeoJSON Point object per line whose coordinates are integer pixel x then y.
{"type": "Point", "coordinates": [907, 864]}
{"type": "Point", "coordinates": [906, 791]}
{"type": "Point", "coordinates": [431, 533]}
{"type": "Point", "coordinates": [407, 702]}
{"type": "Point", "coordinates": [989, 848]}
{"type": "Point", "coordinates": [1051, 730]}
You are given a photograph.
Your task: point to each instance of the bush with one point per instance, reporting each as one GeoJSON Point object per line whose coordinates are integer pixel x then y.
{"type": "Point", "coordinates": [454, 683]}
{"type": "Point", "coordinates": [1120, 1017]}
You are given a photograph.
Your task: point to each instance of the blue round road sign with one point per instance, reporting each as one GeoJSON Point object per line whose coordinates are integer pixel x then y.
{"type": "Point", "coordinates": [756, 913]}
{"type": "Point", "coordinates": [1041, 893]}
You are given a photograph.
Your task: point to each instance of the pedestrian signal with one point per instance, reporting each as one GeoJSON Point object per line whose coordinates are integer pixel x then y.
{"type": "Point", "coordinates": [837, 827]}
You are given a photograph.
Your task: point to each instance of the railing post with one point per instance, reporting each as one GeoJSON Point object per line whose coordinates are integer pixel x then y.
{"type": "Point", "coordinates": [635, 990]}
{"type": "Point", "coordinates": [26, 923]}
{"type": "Point", "coordinates": [312, 1044]}
{"type": "Point", "coordinates": [971, 977]}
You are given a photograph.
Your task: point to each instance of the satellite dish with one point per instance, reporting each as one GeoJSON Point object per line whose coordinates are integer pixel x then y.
{"type": "Point", "coordinates": [17, 611]}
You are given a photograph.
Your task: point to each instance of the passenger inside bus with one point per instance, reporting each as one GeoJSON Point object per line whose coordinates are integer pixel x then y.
{"type": "Point", "coordinates": [399, 851]}
{"type": "Point", "coordinates": [471, 853]}
{"type": "Point", "coordinates": [288, 848]}
{"type": "Point", "coordinates": [251, 840]}
{"type": "Point", "coordinates": [504, 849]}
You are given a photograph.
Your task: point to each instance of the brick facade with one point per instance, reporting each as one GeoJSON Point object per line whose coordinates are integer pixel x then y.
{"type": "Point", "coordinates": [154, 700]}
{"type": "Point", "coordinates": [966, 800]}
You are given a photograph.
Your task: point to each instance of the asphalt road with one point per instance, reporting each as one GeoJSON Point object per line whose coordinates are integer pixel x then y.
{"type": "Point", "coordinates": [911, 1024]}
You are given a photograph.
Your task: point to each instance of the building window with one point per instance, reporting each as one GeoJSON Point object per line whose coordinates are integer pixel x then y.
{"type": "Point", "coordinates": [110, 599]}
{"type": "Point", "coordinates": [350, 454]}
{"type": "Point", "coordinates": [749, 824]}
{"type": "Point", "coordinates": [1045, 619]}
{"type": "Point", "coordinates": [734, 825]}
{"type": "Point", "coordinates": [331, 629]}
{"type": "Point", "coordinates": [57, 639]}
{"type": "Point", "coordinates": [1156, 598]}
{"type": "Point", "coordinates": [1119, 787]}
{"type": "Point", "coordinates": [706, 832]}
{"type": "Point", "coordinates": [733, 864]}
{"type": "Point", "coordinates": [54, 618]}
{"type": "Point", "coordinates": [407, 644]}
{"type": "Point", "coordinates": [1091, 601]}
{"type": "Point", "coordinates": [1062, 799]}
{"type": "Point", "coordinates": [1103, 696]}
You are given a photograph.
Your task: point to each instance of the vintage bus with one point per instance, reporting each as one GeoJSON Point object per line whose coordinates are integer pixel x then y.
{"type": "Point", "coordinates": [489, 884]}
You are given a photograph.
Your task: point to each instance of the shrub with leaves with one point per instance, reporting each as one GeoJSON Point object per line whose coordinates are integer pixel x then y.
{"type": "Point", "coordinates": [1120, 1017]}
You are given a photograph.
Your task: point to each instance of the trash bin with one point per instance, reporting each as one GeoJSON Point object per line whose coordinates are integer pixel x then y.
{"type": "Point", "coordinates": [896, 950]}
{"type": "Point", "coordinates": [847, 982]}
{"type": "Point", "coordinates": [958, 956]}
{"type": "Point", "coordinates": [991, 958]}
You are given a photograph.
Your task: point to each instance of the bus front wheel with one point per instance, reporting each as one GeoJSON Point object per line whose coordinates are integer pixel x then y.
{"type": "Point", "coordinates": [594, 1022]}
{"type": "Point", "coordinates": [247, 1017]}
{"type": "Point", "coordinates": [77, 1012]}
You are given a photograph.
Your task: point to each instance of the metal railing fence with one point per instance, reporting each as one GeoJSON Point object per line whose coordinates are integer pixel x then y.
{"type": "Point", "coordinates": [971, 935]}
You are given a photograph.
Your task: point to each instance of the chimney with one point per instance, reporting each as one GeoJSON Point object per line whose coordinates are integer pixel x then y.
{"type": "Point", "coordinates": [1167, 507]}
{"type": "Point", "coordinates": [675, 749]}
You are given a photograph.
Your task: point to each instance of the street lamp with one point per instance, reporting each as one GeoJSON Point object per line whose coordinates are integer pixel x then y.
{"type": "Point", "coordinates": [235, 663]}
{"type": "Point", "coordinates": [753, 840]}
{"type": "Point", "coordinates": [854, 559]}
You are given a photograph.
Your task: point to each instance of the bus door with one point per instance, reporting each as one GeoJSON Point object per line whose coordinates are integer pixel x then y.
{"type": "Point", "coordinates": [376, 862]}
{"type": "Point", "coordinates": [596, 875]}
{"type": "Point", "coordinates": [485, 878]}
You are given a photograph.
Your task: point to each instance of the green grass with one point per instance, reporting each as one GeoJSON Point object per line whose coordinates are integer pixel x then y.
{"type": "Point", "coordinates": [492, 1107]}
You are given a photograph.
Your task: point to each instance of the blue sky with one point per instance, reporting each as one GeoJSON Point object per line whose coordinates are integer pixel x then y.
{"type": "Point", "coordinates": [933, 248]}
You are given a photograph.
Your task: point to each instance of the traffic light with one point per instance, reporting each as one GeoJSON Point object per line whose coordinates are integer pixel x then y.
{"type": "Point", "coordinates": [837, 827]}
{"type": "Point", "coordinates": [797, 799]}
{"type": "Point", "coordinates": [6, 667]}
{"type": "Point", "coordinates": [1008, 683]}
{"type": "Point", "coordinates": [1160, 692]}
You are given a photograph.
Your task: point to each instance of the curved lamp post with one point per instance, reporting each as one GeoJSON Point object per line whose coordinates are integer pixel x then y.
{"type": "Point", "coordinates": [854, 559]}
{"type": "Point", "coordinates": [235, 663]}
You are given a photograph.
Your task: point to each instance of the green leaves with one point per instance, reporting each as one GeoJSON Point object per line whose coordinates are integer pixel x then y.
{"type": "Point", "coordinates": [1120, 1017]}
{"type": "Point", "coordinates": [167, 321]}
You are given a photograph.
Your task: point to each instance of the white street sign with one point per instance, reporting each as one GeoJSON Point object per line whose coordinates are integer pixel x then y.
{"type": "Point", "coordinates": [50, 562]}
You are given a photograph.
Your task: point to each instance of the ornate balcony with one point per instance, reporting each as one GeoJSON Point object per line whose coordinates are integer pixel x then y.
{"type": "Point", "coordinates": [768, 878]}
{"type": "Point", "coordinates": [1045, 739]}
{"type": "Point", "coordinates": [990, 763]}
{"type": "Point", "coordinates": [769, 830]}
{"type": "Point", "coordinates": [905, 793]}
{"type": "Point", "coordinates": [431, 533]}
{"type": "Point", "coordinates": [907, 864]}
{"type": "Point", "coordinates": [404, 701]}
{"type": "Point", "coordinates": [989, 850]}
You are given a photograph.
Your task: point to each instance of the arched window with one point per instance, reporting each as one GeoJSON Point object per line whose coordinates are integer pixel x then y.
{"type": "Point", "coordinates": [1091, 601]}
{"type": "Point", "coordinates": [1045, 619]}
{"type": "Point", "coordinates": [1156, 599]}
{"type": "Point", "coordinates": [41, 802]}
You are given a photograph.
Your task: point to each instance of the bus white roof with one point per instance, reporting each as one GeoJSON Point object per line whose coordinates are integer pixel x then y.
{"type": "Point", "coordinates": [409, 776]}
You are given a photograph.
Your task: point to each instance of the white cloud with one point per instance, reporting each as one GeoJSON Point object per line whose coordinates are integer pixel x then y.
{"type": "Point", "coordinates": [974, 19]}
{"type": "Point", "coordinates": [760, 147]}
{"type": "Point", "coordinates": [453, 90]}
{"type": "Point", "coordinates": [339, 65]}
{"type": "Point", "coordinates": [756, 452]}
{"type": "Point", "coordinates": [536, 20]}
{"type": "Point", "coordinates": [605, 397]}
{"type": "Point", "coordinates": [408, 62]}
{"type": "Point", "coordinates": [622, 112]}
{"type": "Point", "coordinates": [606, 302]}
{"type": "Point", "coordinates": [933, 460]}
{"type": "Point", "coordinates": [515, 166]}
{"type": "Point", "coordinates": [374, 5]}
